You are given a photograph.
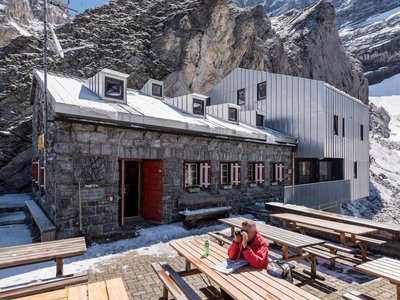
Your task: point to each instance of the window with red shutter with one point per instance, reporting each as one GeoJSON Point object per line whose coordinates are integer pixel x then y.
{"type": "Point", "coordinates": [277, 172]}
{"type": "Point", "coordinates": [197, 174]}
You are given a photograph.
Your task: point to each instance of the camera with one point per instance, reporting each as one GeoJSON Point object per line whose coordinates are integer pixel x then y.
{"type": "Point", "coordinates": [238, 233]}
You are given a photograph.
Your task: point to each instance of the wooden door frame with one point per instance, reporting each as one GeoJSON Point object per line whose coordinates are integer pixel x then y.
{"type": "Point", "coordinates": [122, 188]}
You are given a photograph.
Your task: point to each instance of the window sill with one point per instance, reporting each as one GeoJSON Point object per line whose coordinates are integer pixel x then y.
{"type": "Point", "coordinates": [253, 184]}
{"type": "Point", "coordinates": [227, 187]}
{"type": "Point", "coordinates": [274, 183]}
{"type": "Point", "coordinates": [194, 190]}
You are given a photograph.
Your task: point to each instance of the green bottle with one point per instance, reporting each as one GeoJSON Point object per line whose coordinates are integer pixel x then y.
{"type": "Point", "coordinates": [206, 248]}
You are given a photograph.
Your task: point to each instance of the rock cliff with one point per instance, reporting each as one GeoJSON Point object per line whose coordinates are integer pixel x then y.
{"type": "Point", "coordinates": [189, 44]}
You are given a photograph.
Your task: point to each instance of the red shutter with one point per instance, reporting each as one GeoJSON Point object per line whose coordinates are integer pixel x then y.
{"type": "Point", "coordinates": [35, 172]}
{"type": "Point", "coordinates": [260, 177]}
{"type": "Point", "coordinates": [279, 172]}
{"type": "Point", "coordinates": [205, 172]}
{"type": "Point", "coordinates": [235, 173]}
{"type": "Point", "coordinates": [186, 179]}
{"type": "Point", "coordinates": [42, 178]}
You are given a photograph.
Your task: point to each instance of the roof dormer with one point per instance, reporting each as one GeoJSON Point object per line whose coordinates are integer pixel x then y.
{"type": "Point", "coordinates": [226, 111]}
{"type": "Point", "coordinates": [253, 118]}
{"type": "Point", "coordinates": [109, 85]}
{"type": "Point", "coordinates": [153, 88]}
{"type": "Point", "coordinates": [194, 104]}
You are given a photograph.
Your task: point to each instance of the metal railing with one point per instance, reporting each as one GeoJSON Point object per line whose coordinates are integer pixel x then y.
{"type": "Point", "coordinates": [318, 195]}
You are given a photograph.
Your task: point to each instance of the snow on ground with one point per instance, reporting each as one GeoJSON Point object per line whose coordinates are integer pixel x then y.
{"type": "Point", "coordinates": [14, 200]}
{"type": "Point", "coordinates": [21, 30]}
{"type": "Point", "coordinates": [387, 87]}
{"type": "Point", "coordinates": [381, 17]}
{"type": "Point", "coordinates": [15, 234]}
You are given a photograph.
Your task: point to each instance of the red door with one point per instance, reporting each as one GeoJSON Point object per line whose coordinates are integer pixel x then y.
{"type": "Point", "coordinates": [153, 176]}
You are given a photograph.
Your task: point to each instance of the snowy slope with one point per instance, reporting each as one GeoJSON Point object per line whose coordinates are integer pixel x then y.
{"type": "Point", "coordinates": [384, 200]}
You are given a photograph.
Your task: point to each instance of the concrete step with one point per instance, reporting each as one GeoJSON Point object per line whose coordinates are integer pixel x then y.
{"type": "Point", "coordinates": [10, 218]}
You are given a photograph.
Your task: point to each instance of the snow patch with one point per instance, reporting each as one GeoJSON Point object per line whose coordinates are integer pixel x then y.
{"type": "Point", "coordinates": [387, 87]}
{"type": "Point", "coordinates": [21, 30]}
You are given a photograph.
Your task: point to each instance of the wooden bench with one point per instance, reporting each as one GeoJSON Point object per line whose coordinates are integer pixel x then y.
{"type": "Point", "coordinates": [323, 254]}
{"type": "Point", "coordinates": [46, 227]}
{"type": "Point", "coordinates": [43, 286]}
{"type": "Point", "coordinates": [41, 252]}
{"type": "Point", "coordinates": [173, 283]}
{"type": "Point", "coordinates": [112, 289]}
{"type": "Point", "coordinates": [192, 216]}
{"type": "Point", "coordinates": [354, 295]}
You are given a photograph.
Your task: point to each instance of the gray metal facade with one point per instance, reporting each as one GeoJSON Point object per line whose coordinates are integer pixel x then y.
{"type": "Point", "coordinates": [305, 108]}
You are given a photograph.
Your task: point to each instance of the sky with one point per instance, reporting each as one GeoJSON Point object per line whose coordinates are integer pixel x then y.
{"type": "Point", "coordinates": [82, 5]}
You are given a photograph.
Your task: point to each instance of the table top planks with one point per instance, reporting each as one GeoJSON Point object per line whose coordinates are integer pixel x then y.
{"type": "Point", "coordinates": [335, 226]}
{"type": "Point", "coordinates": [112, 289]}
{"type": "Point", "coordinates": [384, 267]}
{"type": "Point", "coordinates": [335, 217]}
{"type": "Point", "coordinates": [39, 252]}
{"type": "Point", "coordinates": [245, 283]}
{"type": "Point", "coordinates": [279, 235]}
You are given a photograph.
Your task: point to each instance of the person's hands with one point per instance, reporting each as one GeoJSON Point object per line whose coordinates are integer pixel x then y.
{"type": "Point", "coordinates": [245, 238]}
{"type": "Point", "coordinates": [236, 238]}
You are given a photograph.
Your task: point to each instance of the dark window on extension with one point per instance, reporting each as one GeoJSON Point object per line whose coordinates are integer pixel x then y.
{"type": "Point", "coordinates": [336, 124]}
{"type": "Point", "coordinates": [114, 88]}
{"type": "Point", "coordinates": [208, 101]}
{"type": "Point", "coordinates": [343, 127]}
{"type": "Point", "coordinates": [156, 90]}
{"type": "Point", "coordinates": [198, 107]}
{"type": "Point", "coordinates": [355, 170]}
{"type": "Point", "coordinates": [260, 120]}
{"type": "Point", "coordinates": [232, 114]}
{"type": "Point", "coordinates": [241, 97]}
{"type": "Point", "coordinates": [262, 90]}
{"type": "Point", "coordinates": [362, 132]}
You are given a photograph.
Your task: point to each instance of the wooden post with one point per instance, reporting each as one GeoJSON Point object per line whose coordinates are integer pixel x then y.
{"type": "Point", "coordinates": [343, 238]}
{"type": "Point", "coordinates": [187, 265]}
{"type": "Point", "coordinates": [363, 246]}
{"type": "Point", "coordinates": [313, 264]}
{"type": "Point", "coordinates": [59, 267]}
{"type": "Point", "coordinates": [285, 251]}
{"type": "Point", "coordinates": [398, 292]}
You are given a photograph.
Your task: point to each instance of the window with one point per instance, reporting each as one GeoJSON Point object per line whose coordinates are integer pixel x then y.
{"type": "Point", "coordinates": [362, 132]}
{"type": "Point", "coordinates": [156, 90]}
{"type": "Point", "coordinates": [305, 170]}
{"type": "Point", "coordinates": [255, 172]}
{"type": "Point", "coordinates": [232, 114]}
{"type": "Point", "coordinates": [114, 88]}
{"type": "Point", "coordinates": [262, 90]}
{"type": "Point", "coordinates": [230, 173]}
{"type": "Point", "coordinates": [241, 97]}
{"type": "Point", "coordinates": [198, 107]}
{"type": "Point", "coordinates": [309, 170]}
{"type": "Point", "coordinates": [277, 170]}
{"type": "Point", "coordinates": [355, 170]}
{"type": "Point", "coordinates": [260, 120]}
{"type": "Point", "coordinates": [197, 174]}
{"type": "Point", "coordinates": [336, 124]}
{"type": "Point", "coordinates": [208, 101]}
{"type": "Point", "coordinates": [343, 127]}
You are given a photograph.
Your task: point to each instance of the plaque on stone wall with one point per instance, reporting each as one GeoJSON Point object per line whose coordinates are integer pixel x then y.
{"type": "Point", "coordinates": [90, 169]}
{"type": "Point", "coordinates": [93, 194]}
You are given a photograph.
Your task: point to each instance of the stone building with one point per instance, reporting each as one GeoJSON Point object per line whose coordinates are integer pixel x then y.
{"type": "Point", "coordinates": [115, 154]}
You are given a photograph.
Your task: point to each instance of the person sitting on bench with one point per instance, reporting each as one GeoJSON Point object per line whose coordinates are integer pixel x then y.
{"type": "Point", "coordinates": [249, 245]}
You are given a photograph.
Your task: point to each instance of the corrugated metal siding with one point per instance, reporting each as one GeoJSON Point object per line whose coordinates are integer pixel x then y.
{"type": "Point", "coordinates": [304, 108]}
{"type": "Point", "coordinates": [319, 195]}
{"type": "Point", "coordinates": [350, 147]}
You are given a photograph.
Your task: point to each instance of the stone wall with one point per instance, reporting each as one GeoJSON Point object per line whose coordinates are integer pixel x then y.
{"type": "Point", "coordinates": [87, 159]}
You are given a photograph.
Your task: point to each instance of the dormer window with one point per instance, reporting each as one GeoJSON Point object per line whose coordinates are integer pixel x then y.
{"type": "Point", "coordinates": [262, 90]}
{"type": "Point", "coordinates": [114, 88]}
{"type": "Point", "coordinates": [241, 96]}
{"type": "Point", "coordinates": [156, 90]}
{"type": "Point", "coordinates": [232, 114]}
{"type": "Point", "coordinates": [198, 107]}
{"type": "Point", "coordinates": [260, 120]}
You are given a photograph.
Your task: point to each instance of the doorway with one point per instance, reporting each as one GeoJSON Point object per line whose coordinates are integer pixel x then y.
{"type": "Point", "coordinates": [130, 190]}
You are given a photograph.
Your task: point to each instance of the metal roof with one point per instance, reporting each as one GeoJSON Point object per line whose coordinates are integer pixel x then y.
{"type": "Point", "coordinates": [68, 96]}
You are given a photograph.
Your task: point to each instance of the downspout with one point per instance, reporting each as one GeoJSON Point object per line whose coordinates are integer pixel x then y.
{"type": "Point", "coordinates": [293, 156]}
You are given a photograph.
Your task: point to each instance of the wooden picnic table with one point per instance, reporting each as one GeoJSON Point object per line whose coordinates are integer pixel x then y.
{"type": "Point", "coordinates": [247, 283]}
{"type": "Point", "coordinates": [286, 238]}
{"type": "Point", "coordinates": [392, 228]}
{"type": "Point", "coordinates": [384, 267]}
{"type": "Point", "coordinates": [341, 228]}
{"type": "Point", "coordinates": [40, 252]}
{"type": "Point", "coordinates": [112, 289]}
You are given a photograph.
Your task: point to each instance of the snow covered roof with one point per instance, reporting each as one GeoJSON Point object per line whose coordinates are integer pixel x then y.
{"type": "Point", "coordinates": [69, 96]}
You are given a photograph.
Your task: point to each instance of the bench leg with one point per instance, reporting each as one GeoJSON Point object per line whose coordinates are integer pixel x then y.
{"type": "Point", "coordinates": [363, 246]}
{"type": "Point", "coordinates": [285, 251]}
{"type": "Point", "coordinates": [333, 260]}
{"type": "Point", "coordinates": [187, 265]}
{"type": "Point", "coordinates": [165, 293]}
{"type": "Point", "coordinates": [398, 292]}
{"type": "Point", "coordinates": [59, 267]}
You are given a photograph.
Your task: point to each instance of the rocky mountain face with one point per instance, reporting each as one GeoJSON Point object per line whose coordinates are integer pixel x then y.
{"type": "Point", "coordinates": [188, 44]}
{"type": "Point", "coordinates": [24, 17]}
{"type": "Point", "coordinates": [368, 29]}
